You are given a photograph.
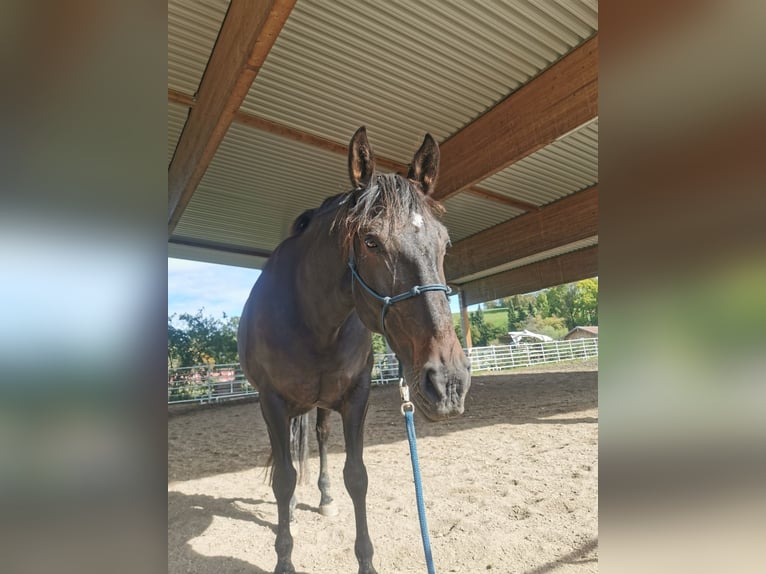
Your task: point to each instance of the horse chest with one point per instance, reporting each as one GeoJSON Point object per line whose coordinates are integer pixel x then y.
{"type": "Point", "coordinates": [314, 377]}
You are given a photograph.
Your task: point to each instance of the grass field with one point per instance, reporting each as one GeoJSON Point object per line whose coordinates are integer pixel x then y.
{"type": "Point", "coordinates": [493, 317]}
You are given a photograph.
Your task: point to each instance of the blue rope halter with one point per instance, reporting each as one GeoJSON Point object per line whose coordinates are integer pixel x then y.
{"type": "Point", "coordinates": [388, 301]}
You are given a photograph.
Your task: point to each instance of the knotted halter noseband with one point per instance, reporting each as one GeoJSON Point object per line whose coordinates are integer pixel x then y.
{"type": "Point", "coordinates": [388, 301]}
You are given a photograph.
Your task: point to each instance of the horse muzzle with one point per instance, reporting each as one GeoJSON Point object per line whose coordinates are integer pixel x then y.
{"type": "Point", "coordinates": [440, 391]}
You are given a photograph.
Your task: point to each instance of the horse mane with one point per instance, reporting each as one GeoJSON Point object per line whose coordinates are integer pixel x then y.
{"type": "Point", "coordinates": [301, 222]}
{"type": "Point", "coordinates": [388, 196]}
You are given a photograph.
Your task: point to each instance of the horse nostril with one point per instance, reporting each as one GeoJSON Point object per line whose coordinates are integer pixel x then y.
{"type": "Point", "coordinates": [432, 386]}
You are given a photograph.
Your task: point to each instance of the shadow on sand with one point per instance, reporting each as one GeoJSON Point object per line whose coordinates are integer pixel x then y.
{"type": "Point", "coordinates": [198, 512]}
{"type": "Point", "coordinates": [516, 399]}
{"type": "Point", "coordinates": [579, 556]}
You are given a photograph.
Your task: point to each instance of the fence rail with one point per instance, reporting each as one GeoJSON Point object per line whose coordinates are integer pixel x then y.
{"type": "Point", "coordinates": [210, 384]}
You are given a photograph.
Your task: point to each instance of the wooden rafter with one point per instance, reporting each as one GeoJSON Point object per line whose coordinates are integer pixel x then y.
{"type": "Point", "coordinates": [556, 102]}
{"type": "Point", "coordinates": [275, 128]}
{"type": "Point", "coordinates": [247, 34]}
{"type": "Point", "coordinates": [572, 266]}
{"type": "Point", "coordinates": [181, 99]}
{"type": "Point", "coordinates": [565, 221]}
{"type": "Point", "coordinates": [288, 132]}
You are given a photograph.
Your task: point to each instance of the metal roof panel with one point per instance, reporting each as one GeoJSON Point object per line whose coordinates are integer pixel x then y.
{"type": "Point", "coordinates": [567, 165]}
{"type": "Point", "coordinates": [192, 31]}
{"type": "Point", "coordinates": [403, 68]}
{"type": "Point", "coordinates": [176, 120]}
{"type": "Point", "coordinates": [468, 214]}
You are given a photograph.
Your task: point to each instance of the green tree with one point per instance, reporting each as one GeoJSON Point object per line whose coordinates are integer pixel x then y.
{"type": "Point", "coordinates": [179, 346]}
{"type": "Point", "coordinates": [568, 297]}
{"type": "Point", "coordinates": [556, 305]}
{"type": "Point", "coordinates": [459, 334]}
{"type": "Point", "coordinates": [513, 316]}
{"type": "Point", "coordinates": [554, 327]}
{"type": "Point", "coordinates": [378, 343]}
{"type": "Point", "coordinates": [482, 333]}
{"type": "Point", "coordinates": [479, 327]}
{"type": "Point", "coordinates": [542, 305]}
{"type": "Point", "coordinates": [521, 317]}
{"type": "Point", "coordinates": [576, 303]}
{"type": "Point", "coordinates": [585, 304]}
{"type": "Point", "coordinates": [202, 340]}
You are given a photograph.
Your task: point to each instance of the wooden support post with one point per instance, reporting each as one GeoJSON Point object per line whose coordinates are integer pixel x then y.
{"type": "Point", "coordinates": [464, 321]}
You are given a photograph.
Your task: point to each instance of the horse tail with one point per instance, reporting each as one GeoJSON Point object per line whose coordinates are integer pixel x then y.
{"type": "Point", "coordinates": [299, 446]}
{"type": "Point", "coordinates": [299, 449]}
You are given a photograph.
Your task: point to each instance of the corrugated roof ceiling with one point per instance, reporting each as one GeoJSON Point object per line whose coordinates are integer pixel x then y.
{"type": "Point", "coordinates": [192, 30]}
{"type": "Point", "coordinates": [285, 177]}
{"type": "Point", "coordinates": [468, 214]}
{"type": "Point", "coordinates": [559, 169]}
{"type": "Point", "coordinates": [401, 68]}
{"type": "Point", "coordinates": [176, 120]}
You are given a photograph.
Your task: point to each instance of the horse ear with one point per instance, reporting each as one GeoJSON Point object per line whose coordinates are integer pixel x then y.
{"type": "Point", "coordinates": [361, 160]}
{"type": "Point", "coordinates": [425, 165]}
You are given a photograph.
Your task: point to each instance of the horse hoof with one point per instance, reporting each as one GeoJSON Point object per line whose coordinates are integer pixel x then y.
{"type": "Point", "coordinates": [328, 510]}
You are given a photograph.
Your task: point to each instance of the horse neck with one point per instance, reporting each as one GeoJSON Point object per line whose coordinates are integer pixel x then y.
{"type": "Point", "coordinates": [324, 285]}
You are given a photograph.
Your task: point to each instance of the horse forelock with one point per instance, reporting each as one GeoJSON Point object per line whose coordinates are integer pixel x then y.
{"type": "Point", "coordinates": [389, 198]}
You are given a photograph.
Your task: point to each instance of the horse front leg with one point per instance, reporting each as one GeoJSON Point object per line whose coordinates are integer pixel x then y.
{"type": "Point", "coordinates": [283, 478]}
{"type": "Point", "coordinates": [354, 412]}
{"type": "Point", "coordinates": [326, 506]}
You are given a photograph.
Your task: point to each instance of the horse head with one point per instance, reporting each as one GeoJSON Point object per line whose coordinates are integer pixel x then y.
{"type": "Point", "coordinates": [396, 244]}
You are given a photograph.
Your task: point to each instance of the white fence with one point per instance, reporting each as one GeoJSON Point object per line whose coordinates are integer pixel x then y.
{"type": "Point", "coordinates": [504, 357]}
{"type": "Point", "coordinates": [203, 384]}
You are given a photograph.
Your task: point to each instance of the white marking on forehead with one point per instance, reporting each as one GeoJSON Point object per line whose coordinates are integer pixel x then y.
{"type": "Point", "coordinates": [417, 220]}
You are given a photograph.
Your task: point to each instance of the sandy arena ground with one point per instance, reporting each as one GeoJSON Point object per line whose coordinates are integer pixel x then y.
{"type": "Point", "coordinates": [511, 486]}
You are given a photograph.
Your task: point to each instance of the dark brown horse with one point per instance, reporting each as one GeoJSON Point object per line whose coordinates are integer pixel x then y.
{"type": "Point", "coordinates": [304, 335]}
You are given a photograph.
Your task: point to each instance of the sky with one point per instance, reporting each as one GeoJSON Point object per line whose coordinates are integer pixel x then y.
{"type": "Point", "coordinates": [193, 285]}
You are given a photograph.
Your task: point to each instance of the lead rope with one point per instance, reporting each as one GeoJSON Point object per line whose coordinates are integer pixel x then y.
{"type": "Point", "coordinates": [404, 391]}
{"type": "Point", "coordinates": [407, 410]}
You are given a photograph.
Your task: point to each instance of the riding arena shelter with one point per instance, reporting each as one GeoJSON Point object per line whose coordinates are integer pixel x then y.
{"type": "Point", "coordinates": [263, 98]}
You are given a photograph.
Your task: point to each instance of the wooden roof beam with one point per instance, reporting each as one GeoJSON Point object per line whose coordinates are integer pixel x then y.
{"type": "Point", "coordinates": [565, 221]}
{"type": "Point", "coordinates": [247, 34]}
{"type": "Point", "coordinates": [551, 105]}
{"type": "Point", "coordinates": [572, 266]}
{"type": "Point", "coordinates": [181, 99]}
{"type": "Point", "coordinates": [288, 132]}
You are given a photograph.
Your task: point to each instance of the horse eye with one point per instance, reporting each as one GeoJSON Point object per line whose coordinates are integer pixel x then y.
{"type": "Point", "coordinates": [370, 243]}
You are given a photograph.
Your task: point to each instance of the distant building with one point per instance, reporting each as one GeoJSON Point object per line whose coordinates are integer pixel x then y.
{"type": "Point", "coordinates": [517, 337]}
{"type": "Point", "coordinates": [582, 333]}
